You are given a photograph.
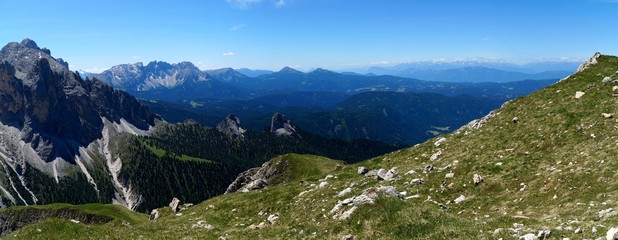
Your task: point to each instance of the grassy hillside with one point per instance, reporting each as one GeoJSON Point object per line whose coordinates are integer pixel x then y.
{"type": "Point", "coordinates": [554, 169]}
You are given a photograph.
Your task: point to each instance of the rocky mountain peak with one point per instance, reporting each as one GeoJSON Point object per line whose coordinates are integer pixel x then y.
{"type": "Point", "coordinates": [186, 65]}
{"type": "Point", "coordinates": [282, 126]}
{"type": "Point", "coordinates": [230, 125]}
{"type": "Point", "coordinates": [591, 61]}
{"type": "Point", "coordinates": [29, 43]}
{"type": "Point", "coordinates": [25, 58]}
{"type": "Point", "coordinates": [55, 109]}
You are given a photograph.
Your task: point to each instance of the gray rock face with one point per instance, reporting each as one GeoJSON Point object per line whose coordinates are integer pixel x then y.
{"type": "Point", "coordinates": [255, 185]}
{"type": "Point", "coordinates": [257, 178]}
{"type": "Point", "coordinates": [154, 75]}
{"type": "Point", "coordinates": [55, 109]}
{"type": "Point", "coordinates": [169, 82]}
{"type": "Point", "coordinates": [612, 234]}
{"type": "Point", "coordinates": [231, 126]}
{"type": "Point", "coordinates": [591, 61]}
{"type": "Point", "coordinates": [282, 126]}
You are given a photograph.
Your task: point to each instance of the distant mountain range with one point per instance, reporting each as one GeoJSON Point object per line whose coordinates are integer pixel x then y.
{"type": "Point", "coordinates": [478, 74]}
{"type": "Point", "coordinates": [73, 140]}
{"type": "Point", "coordinates": [528, 68]}
{"type": "Point", "coordinates": [324, 102]}
{"type": "Point", "coordinates": [183, 81]}
{"type": "Point", "coordinates": [171, 82]}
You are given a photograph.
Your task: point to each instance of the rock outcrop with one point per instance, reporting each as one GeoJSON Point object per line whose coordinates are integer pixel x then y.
{"type": "Point", "coordinates": [231, 126]}
{"type": "Point", "coordinates": [174, 205]}
{"type": "Point", "coordinates": [154, 215]}
{"type": "Point", "coordinates": [257, 178]}
{"type": "Point", "coordinates": [282, 126]}
{"type": "Point", "coordinates": [591, 61]}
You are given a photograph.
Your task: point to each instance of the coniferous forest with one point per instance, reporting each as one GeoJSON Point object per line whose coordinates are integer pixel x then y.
{"type": "Point", "coordinates": [193, 162]}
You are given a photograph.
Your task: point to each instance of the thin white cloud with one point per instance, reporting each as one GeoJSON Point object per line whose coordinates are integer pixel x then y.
{"type": "Point", "coordinates": [280, 3]}
{"type": "Point", "coordinates": [204, 66]}
{"type": "Point", "coordinates": [380, 63]}
{"type": "Point", "coordinates": [136, 57]}
{"type": "Point", "coordinates": [95, 69]}
{"type": "Point", "coordinates": [242, 3]}
{"type": "Point", "coordinates": [237, 27]}
{"type": "Point", "coordinates": [227, 54]}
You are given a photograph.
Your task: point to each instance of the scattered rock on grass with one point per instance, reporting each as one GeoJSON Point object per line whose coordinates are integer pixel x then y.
{"type": "Point", "coordinates": [390, 174]}
{"type": "Point", "coordinates": [174, 204]}
{"type": "Point", "coordinates": [529, 236]}
{"type": "Point", "coordinates": [348, 237]}
{"type": "Point", "coordinates": [612, 234]}
{"type": "Point", "coordinates": [382, 174]}
{"type": "Point", "coordinates": [272, 218]}
{"type": "Point", "coordinates": [362, 170]}
{"type": "Point", "coordinates": [579, 94]}
{"type": "Point", "coordinates": [344, 192]}
{"type": "Point", "coordinates": [259, 226]}
{"type": "Point", "coordinates": [544, 234]}
{"type": "Point", "coordinates": [459, 199]}
{"type": "Point", "coordinates": [607, 115]}
{"type": "Point", "coordinates": [435, 156]}
{"type": "Point", "coordinates": [477, 179]}
{"type": "Point", "coordinates": [154, 215]}
{"type": "Point", "coordinates": [367, 197]}
{"type": "Point", "coordinates": [202, 224]}
{"type": "Point", "coordinates": [606, 80]}
{"type": "Point", "coordinates": [417, 181]}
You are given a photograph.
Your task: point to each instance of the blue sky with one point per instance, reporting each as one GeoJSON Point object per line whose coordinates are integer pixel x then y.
{"type": "Point", "coordinates": [334, 34]}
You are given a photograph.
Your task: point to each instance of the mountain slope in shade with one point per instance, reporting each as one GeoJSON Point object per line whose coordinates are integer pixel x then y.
{"type": "Point", "coordinates": [396, 118]}
{"type": "Point", "coordinates": [57, 126]}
